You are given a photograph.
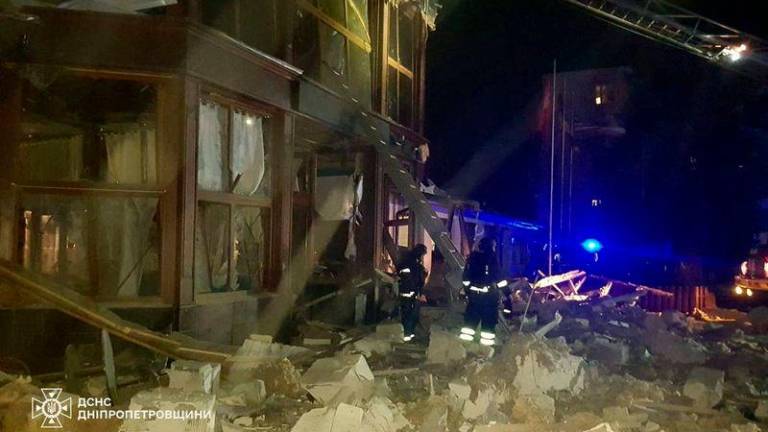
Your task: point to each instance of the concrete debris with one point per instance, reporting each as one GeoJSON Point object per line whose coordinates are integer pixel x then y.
{"type": "Point", "coordinates": [602, 427]}
{"type": "Point", "coordinates": [479, 406]}
{"type": "Point", "coordinates": [382, 415]}
{"type": "Point", "coordinates": [611, 353]}
{"type": "Point", "coordinates": [248, 393]}
{"type": "Point", "coordinates": [620, 418]}
{"type": "Point", "coordinates": [256, 350]}
{"type": "Point", "coordinates": [759, 318]}
{"type": "Point", "coordinates": [747, 427]}
{"type": "Point", "coordinates": [194, 376]}
{"type": "Point", "coordinates": [761, 412]}
{"type": "Point", "coordinates": [674, 319]}
{"type": "Point", "coordinates": [534, 408]}
{"type": "Point", "coordinates": [373, 344]}
{"type": "Point", "coordinates": [542, 332]}
{"type": "Point", "coordinates": [544, 366]}
{"type": "Point", "coordinates": [279, 377]}
{"type": "Point", "coordinates": [599, 364]}
{"type": "Point", "coordinates": [580, 421]}
{"type": "Point", "coordinates": [674, 348]}
{"type": "Point", "coordinates": [431, 415]}
{"type": "Point", "coordinates": [503, 428]}
{"type": "Point", "coordinates": [344, 418]}
{"type": "Point", "coordinates": [391, 331]}
{"type": "Point", "coordinates": [704, 387]}
{"type": "Point", "coordinates": [169, 399]}
{"type": "Point", "coordinates": [339, 379]}
{"type": "Point", "coordinates": [654, 322]}
{"type": "Point", "coordinates": [445, 347]}
{"type": "Point", "coordinates": [95, 386]}
{"type": "Point", "coordinates": [15, 402]}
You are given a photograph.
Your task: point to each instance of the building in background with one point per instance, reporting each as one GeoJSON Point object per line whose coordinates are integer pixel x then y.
{"type": "Point", "coordinates": [589, 121]}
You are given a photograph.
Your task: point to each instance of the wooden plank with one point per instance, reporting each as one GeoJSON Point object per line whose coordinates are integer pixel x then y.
{"type": "Point", "coordinates": [322, 16]}
{"type": "Point", "coordinates": [83, 308]}
{"type": "Point", "coordinates": [188, 198]}
{"type": "Point", "coordinates": [108, 356]}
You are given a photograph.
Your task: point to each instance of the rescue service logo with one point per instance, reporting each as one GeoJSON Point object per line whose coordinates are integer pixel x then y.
{"type": "Point", "coordinates": [51, 408]}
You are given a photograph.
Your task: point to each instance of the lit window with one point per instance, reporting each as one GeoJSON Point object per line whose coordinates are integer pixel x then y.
{"type": "Point", "coordinates": [596, 202]}
{"type": "Point", "coordinates": [601, 94]}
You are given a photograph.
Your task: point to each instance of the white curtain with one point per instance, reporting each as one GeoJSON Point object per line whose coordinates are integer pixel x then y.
{"type": "Point", "coordinates": [209, 145]}
{"type": "Point", "coordinates": [350, 252]}
{"type": "Point", "coordinates": [54, 159]}
{"type": "Point", "coordinates": [123, 243]}
{"type": "Point", "coordinates": [131, 156]}
{"type": "Point", "coordinates": [247, 159]}
{"type": "Point", "coordinates": [335, 197]}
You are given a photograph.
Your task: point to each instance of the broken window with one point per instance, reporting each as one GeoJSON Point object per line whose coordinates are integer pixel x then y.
{"type": "Point", "coordinates": [212, 249]}
{"type": "Point", "coordinates": [232, 156]}
{"type": "Point", "coordinates": [401, 64]}
{"type": "Point", "coordinates": [231, 241]}
{"type": "Point", "coordinates": [78, 128]}
{"type": "Point", "coordinates": [332, 44]}
{"type": "Point", "coordinates": [103, 246]}
{"type": "Point", "coordinates": [398, 219]}
{"type": "Point", "coordinates": [254, 22]}
{"type": "Point", "coordinates": [303, 174]}
{"type": "Point", "coordinates": [231, 247]}
{"type": "Point", "coordinates": [250, 248]}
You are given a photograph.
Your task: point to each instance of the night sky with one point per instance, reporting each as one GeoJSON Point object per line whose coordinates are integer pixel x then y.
{"type": "Point", "coordinates": [703, 128]}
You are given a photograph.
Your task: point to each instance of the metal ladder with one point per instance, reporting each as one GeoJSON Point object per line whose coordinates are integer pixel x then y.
{"type": "Point", "coordinates": [425, 214]}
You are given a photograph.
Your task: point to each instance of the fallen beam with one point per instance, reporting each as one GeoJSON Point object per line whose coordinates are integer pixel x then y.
{"type": "Point", "coordinates": [88, 311]}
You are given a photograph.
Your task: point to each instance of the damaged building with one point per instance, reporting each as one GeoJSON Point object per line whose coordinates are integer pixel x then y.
{"type": "Point", "coordinates": [201, 166]}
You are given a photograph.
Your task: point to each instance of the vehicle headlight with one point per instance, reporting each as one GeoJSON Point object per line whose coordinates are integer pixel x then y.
{"type": "Point", "coordinates": [765, 268]}
{"type": "Point", "coordinates": [744, 268]}
{"type": "Point", "coordinates": [738, 290]}
{"type": "Point", "coordinates": [749, 292]}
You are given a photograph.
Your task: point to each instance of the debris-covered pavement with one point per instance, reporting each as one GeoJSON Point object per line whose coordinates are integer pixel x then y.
{"type": "Point", "coordinates": [581, 362]}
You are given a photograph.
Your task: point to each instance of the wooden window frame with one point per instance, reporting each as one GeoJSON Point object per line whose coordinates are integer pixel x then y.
{"type": "Point", "coordinates": [392, 13]}
{"type": "Point", "coordinates": [164, 119]}
{"type": "Point", "coordinates": [232, 200]}
{"type": "Point", "coordinates": [315, 11]}
{"type": "Point", "coordinates": [350, 37]}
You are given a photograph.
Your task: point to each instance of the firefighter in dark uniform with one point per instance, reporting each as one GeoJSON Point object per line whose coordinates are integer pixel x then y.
{"type": "Point", "coordinates": [411, 277]}
{"type": "Point", "coordinates": [482, 285]}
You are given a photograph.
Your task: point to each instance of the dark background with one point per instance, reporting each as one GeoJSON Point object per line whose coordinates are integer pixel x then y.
{"type": "Point", "coordinates": [686, 176]}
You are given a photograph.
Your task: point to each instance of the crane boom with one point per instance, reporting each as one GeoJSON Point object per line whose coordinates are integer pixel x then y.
{"type": "Point", "coordinates": [667, 23]}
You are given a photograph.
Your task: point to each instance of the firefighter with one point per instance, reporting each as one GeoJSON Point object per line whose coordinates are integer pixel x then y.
{"type": "Point", "coordinates": [482, 284]}
{"type": "Point", "coordinates": [411, 276]}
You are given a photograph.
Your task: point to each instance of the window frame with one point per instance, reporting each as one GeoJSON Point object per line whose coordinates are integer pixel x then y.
{"type": "Point", "coordinates": [393, 65]}
{"type": "Point", "coordinates": [161, 83]}
{"type": "Point", "coordinates": [164, 85]}
{"type": "Point", "coordinates": [365, 44]}
{"type": "Point", "coordinates": [232, 200]}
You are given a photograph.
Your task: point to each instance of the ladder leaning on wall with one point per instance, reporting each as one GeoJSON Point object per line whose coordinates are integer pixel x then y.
{"type": "Point", "coordinates": [425, 214]}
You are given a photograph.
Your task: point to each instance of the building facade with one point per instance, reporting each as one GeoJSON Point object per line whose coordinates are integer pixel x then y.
{"type": "Point", "coordinates": [189, 165]}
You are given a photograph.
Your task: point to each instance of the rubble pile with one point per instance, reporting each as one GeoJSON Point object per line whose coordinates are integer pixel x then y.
{"type": "Point", "coordinates": [581, 363]}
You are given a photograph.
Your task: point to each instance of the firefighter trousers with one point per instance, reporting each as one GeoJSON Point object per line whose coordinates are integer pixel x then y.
{"type": "Point", "coordinates": [409, 315]}
{"type": "Point", "coordinates": [482, 309]}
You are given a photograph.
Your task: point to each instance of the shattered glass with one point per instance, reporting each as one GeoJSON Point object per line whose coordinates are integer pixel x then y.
{"type": "Point", "coordinates": [250, 245]}
{"type": "Point", "coordinates": [102, 246]}
{"type": "Point", "coordinates": [212, 248]}
{"type": "Point", "coordinates": [76, 128]}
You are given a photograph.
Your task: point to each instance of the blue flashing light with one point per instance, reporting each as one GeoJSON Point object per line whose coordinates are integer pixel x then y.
{"type": "Point", "coordinates": [592, 245]}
